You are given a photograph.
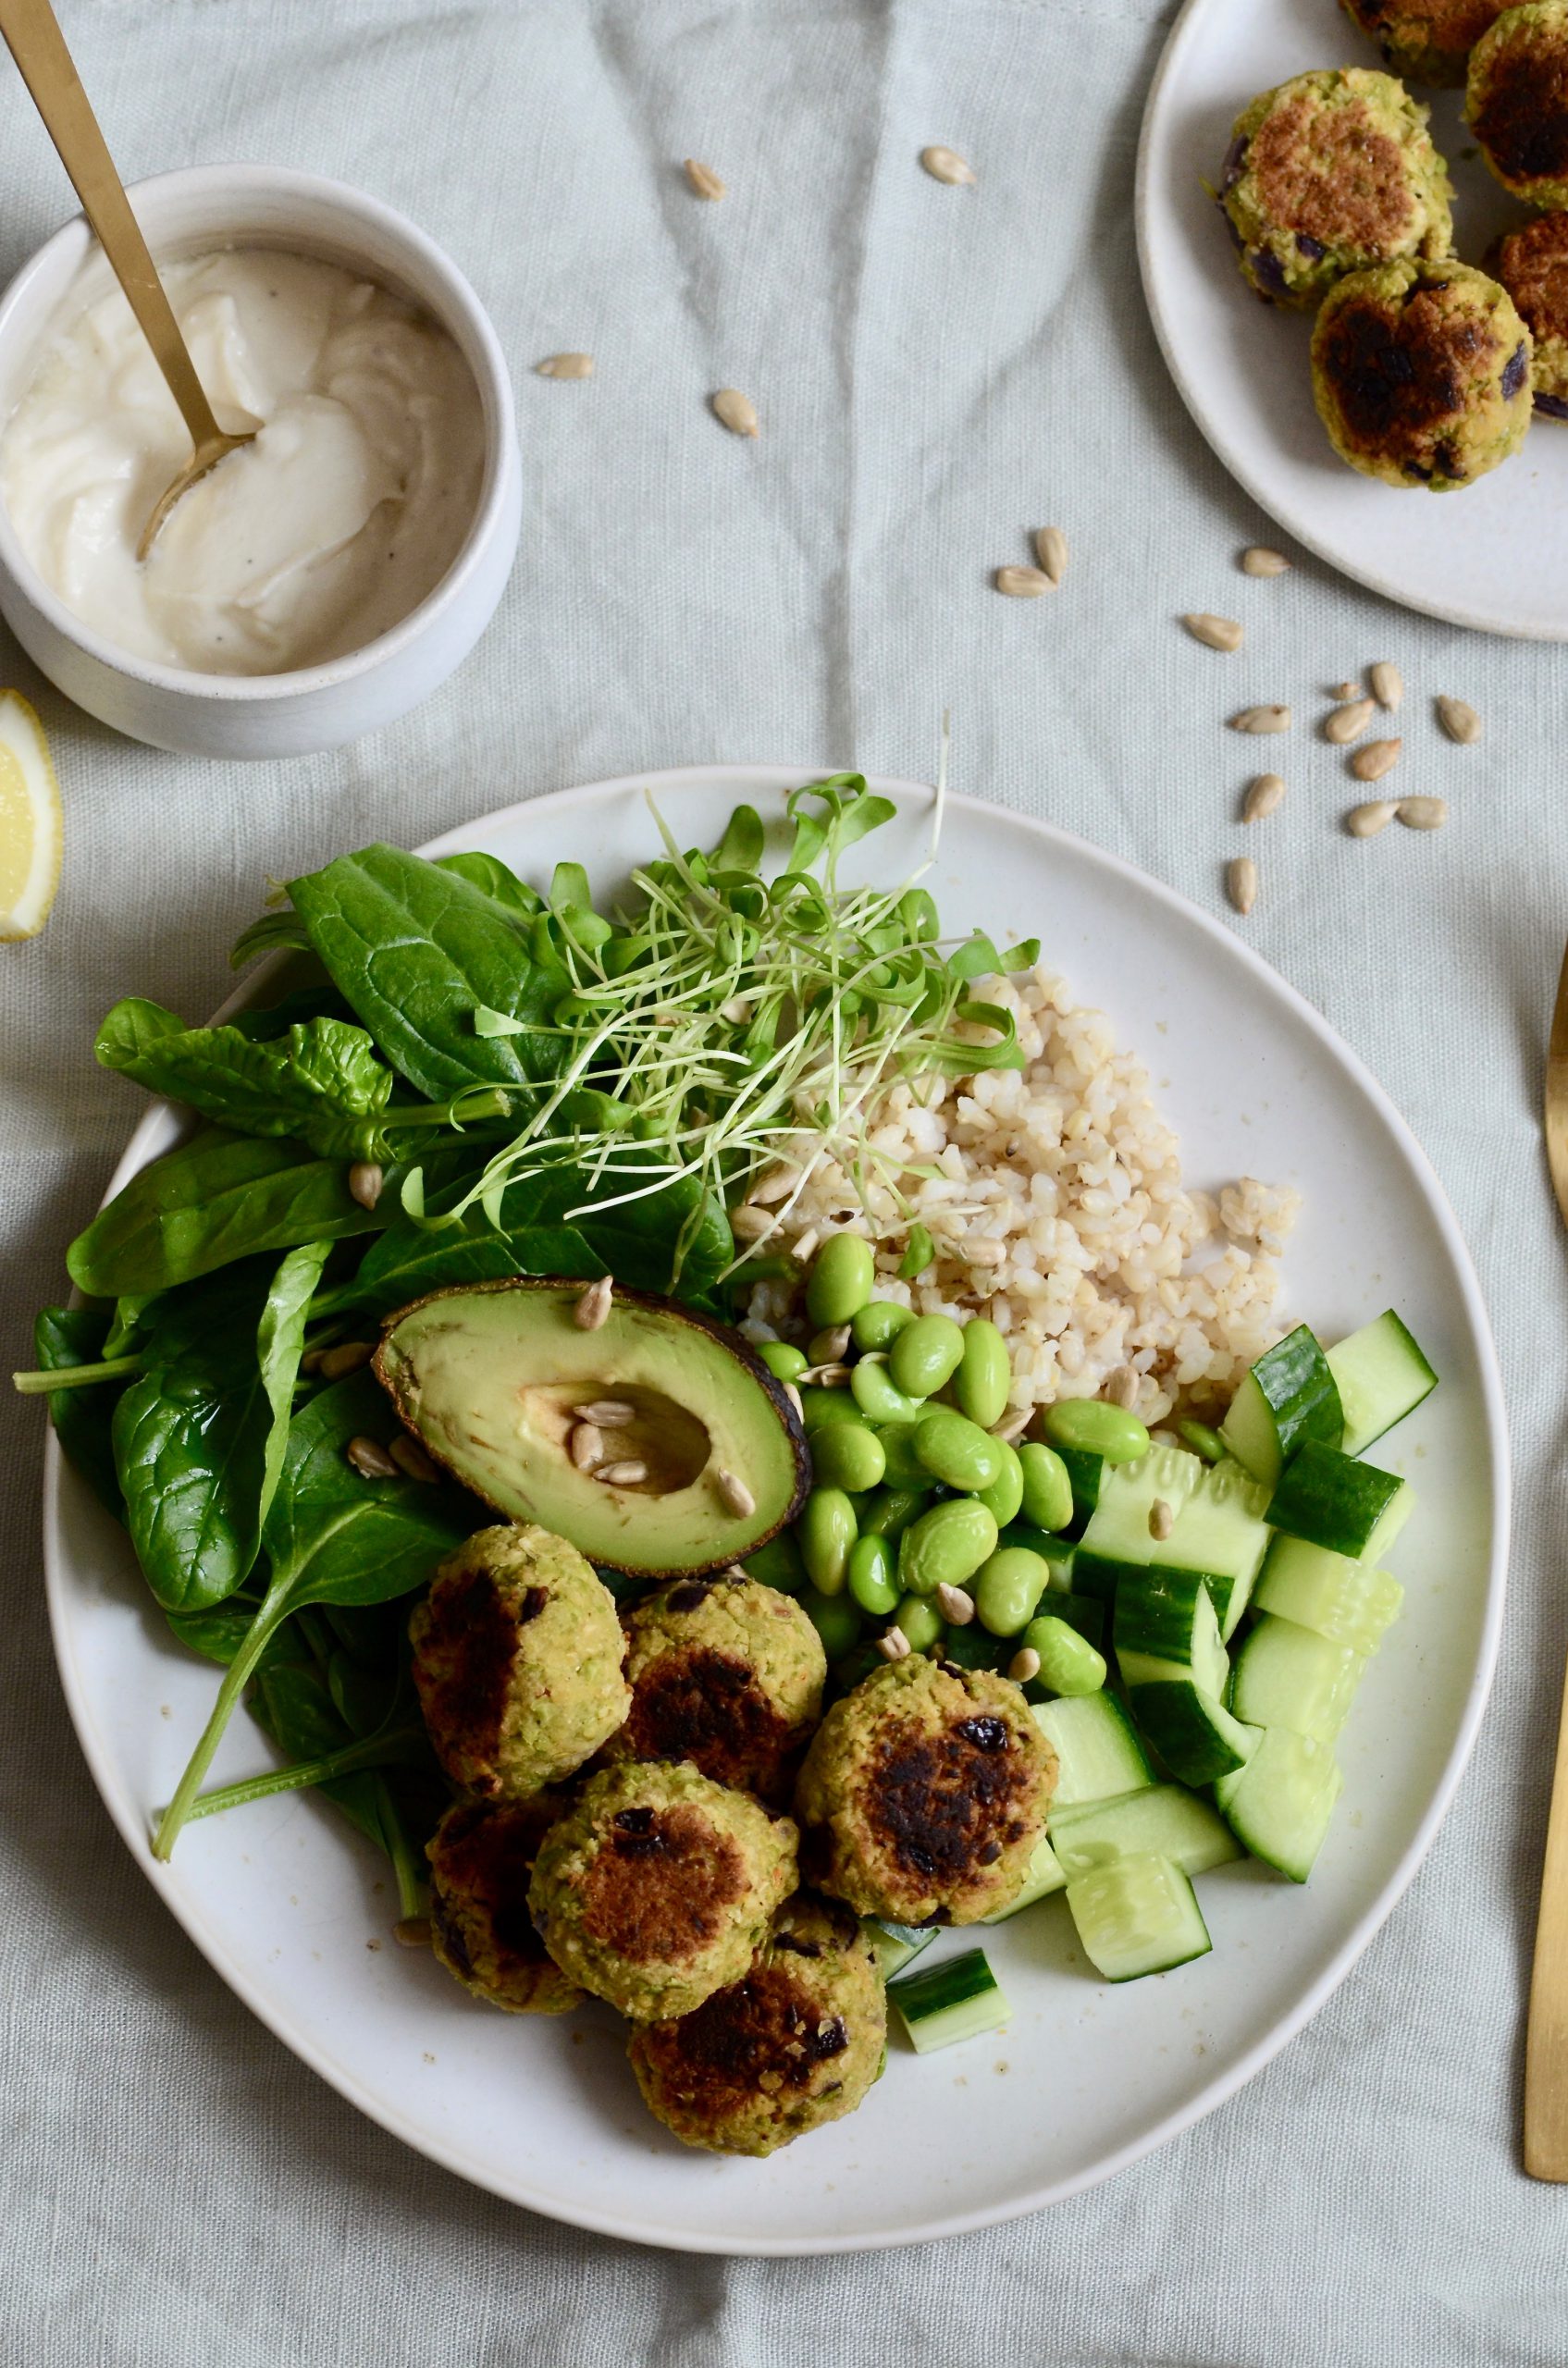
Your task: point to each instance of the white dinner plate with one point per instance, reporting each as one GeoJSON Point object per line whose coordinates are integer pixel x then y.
{"type": "Point", "coordinates": [1494, 554]}
{"type": "Point", "coordinates": [294, 1909]}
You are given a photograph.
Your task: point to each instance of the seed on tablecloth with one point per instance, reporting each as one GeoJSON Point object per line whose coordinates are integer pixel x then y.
{"type": "Point", "coordinates": [1378, 756]}
{"type": "Point", "coordinates": [1348, 722]}
{"type": "Point", "coordinates": [1460, 720]}
{"type": "Point", "coordinates": [1260, 561]}
{"type": "Point", "coordinates": [1023, 583]}
{"type": "Point", "coordinates": [704, 179]}
{"type": "Point", "coordinates": [1265, 795]}
{"type": "Point", "coordinates": [1051, 550]}
{"type": "Point", "coordinates": [1423, 813]}
{"type": "Point", "coordinates": [1259, 719]}
{"type": "Point", "coordinates": [1388, 683]}
{"type": "Point", "coordinates": [1241, 882]}
{"type": "Point", "coordinates": [1214, 633]}
{"type": "Point", "coordinates": [735, 411]}
{"type": "Point", "coordinates": [565, 365]}
{"type": "Point", "coordinates": [1365, 821]}
{"type": "Point", "coordinates": [945, 165]}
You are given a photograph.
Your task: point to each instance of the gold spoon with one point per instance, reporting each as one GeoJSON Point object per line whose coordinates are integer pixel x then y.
{"type": "Point", "coordinates": [1546, 2049]}
{"type": "Point", "coordinates": [33, 37]}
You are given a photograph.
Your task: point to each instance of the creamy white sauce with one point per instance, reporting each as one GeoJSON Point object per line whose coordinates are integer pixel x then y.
{"type": "Point", "coordinates": [330, 528]}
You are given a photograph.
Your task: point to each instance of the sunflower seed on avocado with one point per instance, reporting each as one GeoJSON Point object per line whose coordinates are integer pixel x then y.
{"type": "Point", "coordinates": [493, 1379]}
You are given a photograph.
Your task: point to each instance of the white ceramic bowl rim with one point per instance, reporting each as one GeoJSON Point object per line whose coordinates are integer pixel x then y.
{"type": "Point", "coordinates": [62, 256]}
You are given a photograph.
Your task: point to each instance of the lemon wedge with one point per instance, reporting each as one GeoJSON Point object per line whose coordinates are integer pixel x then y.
{"type": "Point", "coordinates": [29, 821]}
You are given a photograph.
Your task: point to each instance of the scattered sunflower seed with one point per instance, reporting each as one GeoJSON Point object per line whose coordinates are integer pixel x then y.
{"type": "Point", "coordinates": [1422, 813]}
{"type": "Point", "coordinates": [412, 1461]}
{"type": "Point", "coordinates": [804, 1246]}
{"type": "Point", "coordinates": [1214, 633]}
{"type": "Point", "coordinates": [592, 1310]}
{"type": "Point", "coordinates": [370, 1460]}
{"type": "Point", "coordinates": [1241, 882]}
{"type": "Point", "coordinates": [734, 1494]}
{"type": "Point", "coordinates": [586, 1446]}
{"type": "Point", "coordinates": [1051, 550]}
{"type": "Point", "coordinates": [609, 1413]}
{"type": "Point", "coordinates": [774, 1184]}
{"type": "Point", "coordinates": [1121, 1389]}
{"type": "Point", "coordinates": [1013, 1424]}
{"type": "Point", "coordinates": [1460, 720]}
{"type": "Point", "coordinates": [412, 1933]}
{"type": "Point", "coordinates": [1348, 722]}
{"type": "Point", "coordinates": [1023, 583]}
{"type": "Point", "coordinates": [704, 179]}
{"type": "Point", "coordinates": [1388, 683]}
{"type": "Point", "coordinates": [1264, 797]}
{"type": "Point", "coordinates": [749, 1223]}
{"type": "Point", "coordinates": [1260, 561]}
{"type": "Point", "coordinates": [795, 1398]}
{"type": "Point", "coordinates": [1260, 719]}
{"type": "Point", "coordinates": [737, 1011]}
{"type": "Point", "coordinates": [365, 1181]}
{"type": "Point", "coordinates": [565, 365]}
{"type": "Point", "coordinates": [1024, 1665]}
{"type": "Point", "coordinates": [1162, 1520]}
{"type": "Point", "coordinates": [834, 1376]}
{"type": "Point", "coordinates": [1378, 756]}
{"type": "Point", "coordinates": [735, 411]}
{"type": "Point", "coordinates": [830, 1347]}
{"type": "Point", "coordinates": [347, 1357]}
{"type": "Point", "coordinates": [956, 1605]}
{"type": "Point", "coordinates": [1344, 691]}
{"type": "Point", "coordinates": [1365, 821]}
{"type": "Point", "coordinates": [622, 1475]}
{"type": "Point", "coordinates": [946, 166]}
{"type": "Point", "coordinates": [892, 1645]}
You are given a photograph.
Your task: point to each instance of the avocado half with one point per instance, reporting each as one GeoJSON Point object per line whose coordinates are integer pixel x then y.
{"type": "Point", "coordinates": [492, 1377]}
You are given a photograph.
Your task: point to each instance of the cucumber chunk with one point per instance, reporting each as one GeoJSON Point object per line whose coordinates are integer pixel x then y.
{"type": "Point", "coordinates": [1327, 1498]}
{"type": "Point", "coordinates": [1279, 1805]}
{"type": "Point", "coordinates": [1289, 1397]}
{"type": "Point", "coordinates": [958, 1999]}
{"type": "Point", "coordinates": [1165, 1819]}
{"type": "Point", "coordinates": [896, 1945]}
{"type": "Point", "coordinates": [1382, 1376]}
{"type": "Point", "coordinates": [1097, 1753]}
{"type": "Point", "coordinates": [1164, 1619]}
{"type": "Point", "coordinates": [1118, 1526]}
{"type": "Point", "coordinates": [1351, 1603]}
{"type": "Point", "coordinates": [1044, 1875]}
{"type": "Point", "coordinates": [1137, 1916]}
{"type": "Point", "coordinates": [1289, 1676]}
{"type": "Point", "coordinates": [1219, 1528]}
{"type": "Point", "coordinates": [1195, 1735]}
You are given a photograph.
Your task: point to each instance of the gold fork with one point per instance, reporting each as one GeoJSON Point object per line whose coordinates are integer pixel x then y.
{"type": "Point", "coordinates": [1546, 2052]}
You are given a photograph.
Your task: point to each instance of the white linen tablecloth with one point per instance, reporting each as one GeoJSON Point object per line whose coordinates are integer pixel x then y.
{"type": "Point", "coordinates": [937, 372]}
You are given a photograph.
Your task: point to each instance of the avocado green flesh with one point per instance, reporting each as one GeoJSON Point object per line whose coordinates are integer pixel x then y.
{"type": "Point", "coordinates": [492, 1381]}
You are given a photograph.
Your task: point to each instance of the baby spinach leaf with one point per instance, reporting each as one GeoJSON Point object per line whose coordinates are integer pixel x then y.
{"type": "Point", "coordinates": [414, 947]}
{"type": "Point", "coordinates": [488, 872]}
{"type": "Point", "coordinates": [273, 933]}
{"type": "Point", "coordinates": [318, 1081]}
{"type": "Point", "coordinates": [82, 1418]}
{"type": "Point", "coordinates": [217, 1631]}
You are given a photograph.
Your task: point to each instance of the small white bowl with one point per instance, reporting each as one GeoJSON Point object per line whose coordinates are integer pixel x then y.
{"type": "Point", "coordinates": [317, 707]}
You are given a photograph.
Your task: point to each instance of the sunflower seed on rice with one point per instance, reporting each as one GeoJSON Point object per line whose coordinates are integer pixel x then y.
{"type": "Point", "coordinates": [1388, 683]}
{"type": "Point", "coordinates": [1264, 795]}
{"type": "Point", "coordinates": [1162, 1520]}
{"type": "Point", "coordinates": [565, 365]}
{"type": "Point", "coordinates": [370, 1459]}
{"type": "Point", "coordinates": [734, 1494]}
{"type": "Point", "coordinates": [1024, 1665]}
{"type": "Point", "coordinates": [749, 1223]}
{"type": "Point", "coordinates": [774, 1184]}
{"type": "Point", "coordinates": [609, 1413]}
{"type": "Point", "coordinates": [1214, 633]}
{"type": "Point", "coordinates": [1260, 719]}
{"type": "Point", "coordinates": [1365, 821]}
{"type": "Point", "coordinates": [1378, 756]}
{"type": "Point", "coordinates": [586, 1446]}
{"type": "Point", "coordinates": [1460, 720]}
{"type": "Point", "coordinates": [1013, 1424]}
{"type": "Point", "coordinates": [622, 1475]}
{"type": "Point", "coordinates": [736, 412]}
{"type": "Point", "coordinates": [956, 1605]}
{"type": "Point", "coordinates": [1241, 882]}
{"type": "Point", "coordinates": [412, 1461]}
{"type": "Point", "coordinates": [892, 1645]}
{"type": "Point", "coordinates": [1260, 561]}
{"type": "Point", "coordinates": [946, 166]}
{"type": "Point", "coordinates": [1348, 722]}
{"type": "Point", "coordinates": [1051, 550]}
{"type": "Point", "coordinates": [348, 1356]}
{"type": "Point", "coordinates": [804, 1248]}
{"type": "Point", "coordinates": [1422, 813]}
{"type": "Point", "coordinates": [1023, 583]}
{"type": "Point", "coordinates": [592, 1311]}
{"type": "Point", "coordinates": [365, 1179]}
{"type": "Point", "coordinates": [704, 179]}
{"type": "Point", "coordinates": [1121, 1387]}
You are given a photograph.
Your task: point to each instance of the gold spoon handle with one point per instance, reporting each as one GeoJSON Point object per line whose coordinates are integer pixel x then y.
{"type": "Point", "coordinates": [1546, 2050]}
{"type": "Point", "coordinates": [33, 37]}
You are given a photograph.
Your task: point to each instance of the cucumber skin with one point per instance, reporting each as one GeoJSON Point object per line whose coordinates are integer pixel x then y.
{"type": "Point", "coordinates": [1327, 1498]}
{"type": "Point", "coordinates": [1187, 1727]}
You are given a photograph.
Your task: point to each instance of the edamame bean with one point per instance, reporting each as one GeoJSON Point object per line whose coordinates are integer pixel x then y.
{"type": "Point", "coordinates": [1047, 1489]}
{"type": "Point", "coordinates": [879, 1323]}
{"type": "Point", "coordinates": [1004, 1495]}
{"type": "Point", "coordinates": [905, 1469]}
{"type": "Point", "coordinates": [891, 1510]}
{"type": "Point", "coordinates": [784, 1362]}
{"type": "Point", "coordinates": [873, 1580]}
{"type": "Point", "coordinates": [819, 1408]}
{"type": "Point", "coordinates": [872, 1390]}
{"type": "Point", "coordinates": [1068, 1662]}
{"type": "Point", "coordinates": [921, 1622]}
{"type": "Point", "coordinates": [849, 1456]}
{"type": "Point", "coordinates": [985, 1374]}
{"type": "Point", "coordinates": [1058, 1554]}
{"type": "Point", "coordinates": [1202, 1441]}
{"type": "Point", "coordinates": [925, 1354]}
{"type": "Point", "coordinates": [1099, 1429]}
{"type": "Point", "coordinates": [835, 1618]}
{"type": "Point", "coordinates": [946, 1546]}
{"type": "Point", "coordinates": [841, 1279]}
{"type": "Point", "coordinates": [955, 1451]}
{"type": "Point", "coordinates": [824, 1534]}
{"type": "Point", "coordinates": [1007, 1587]}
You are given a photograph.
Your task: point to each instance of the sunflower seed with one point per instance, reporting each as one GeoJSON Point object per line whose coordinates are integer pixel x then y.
{"type": "Point", "coordinates": [830, 1347]}
{"type": "Point", "coordinates": [1265, 795]}
{"type": "Point", "coordinates": [1013, 1424]}
{"type": "Point", "coordinates": [1121, 1387]}
{"type": "Point", "coordinates": [1460, 720]}
{"type": "Point", "coordinates": [795, 1398]}
{"type": "Point", "coordinates": [412, 1461]}
{"type": "Point", "coordinates": [365, 1181]}
{"type": "Point", "coordinates": [592, 1310]}
{"type": "Point", "coordinates": [586, 1446]}
{"type": "Point", "coordinates": [609, 1413]}
{"type": "Point", "coordinates": [1342, 691]}
{"type": "Point", "coordinates": [804, 1246]}
{"type": "Point", "coordinates": [1162, 1520]}
{"type": "Point", "coordinates": [1378, 756]}
{"type": "Point", "coordinates": [1023, 583]}
{"type": "Point", "coordinates": [1241, 882]}
{"type": "Point", "coordinates": [1365, 821]}
{"type": "Point", "coordinates": [944, 164]}
{"type": "Point", "coordinates": [565, 365]}
{"type": "Point", "coordinates": [704, 179]}
{"type": "Point", "coordinates": [774, 1184]}
{"type": "Point", "coordinates": [1024, 1665]}
{"type": "Point", "coordinates": [892, 1645]}
{"type": "Point", "coordinates": [735, 411]}
{"type": "Point", "coordinates": [1261, 561]}
{"type": "Point", "coordinates": [956, 1606]}
{"type": "Point", "coordinates": [749, 1222]}
{"type": "Point", "coordinates": [835, 1377]}
{"type": "Point", "coordinates": [1348, 722]}
{"type": "Point", "coordinates": [622, 1475]}
{"type": "Point", "coordinates": [412, 1933]}
{"type": "Point", "coordinates": [734, 1494]}
{"type": "Point", "coordinates": [1422, 813]}
{"type": "Point", "coordinates": [1214, 633]}
{"type": "Point", "coordinates": [370, 1460]}
{"type": "Point", "coordinates": [348, 1356]}
{"type": "Point", "coordinates": [737, 1011]}
{"type": "Point", "coordinates": [1388, 683]}
{"type": "Point", "coordinates": [1260, 720]}
{"type": "Point", "coordinates": [1051, 550]}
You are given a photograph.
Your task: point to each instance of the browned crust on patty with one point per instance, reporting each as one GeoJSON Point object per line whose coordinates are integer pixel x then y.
{"type": "Point", "coordinates": [481, 1859]}
{"type": "Point", "coordinates": [1398, 371]}
{"type": "Point", "coordinates": [464, 1638]}
{"type": "Point", "coordinates": [656, 1889]}
{"type": "Point", "coordinates": [1521, 121]}
{"type": "Point", "coordinates": [1532, 264]}
{"type": "Point", "coordinates": [1328, 173]}
{"type": "Point", "coordinates": [943, 1806]}
{"type": "Point", "coordinates": [695, 1703]}
{"type": "Point", "coordinates": [1450, 25]}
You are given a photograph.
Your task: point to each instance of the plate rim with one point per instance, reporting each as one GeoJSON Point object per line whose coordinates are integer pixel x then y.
{"type": "Point", "coordinates": [682, 2238]}
{"type": "Point", "coordinates": [1184, 31]}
